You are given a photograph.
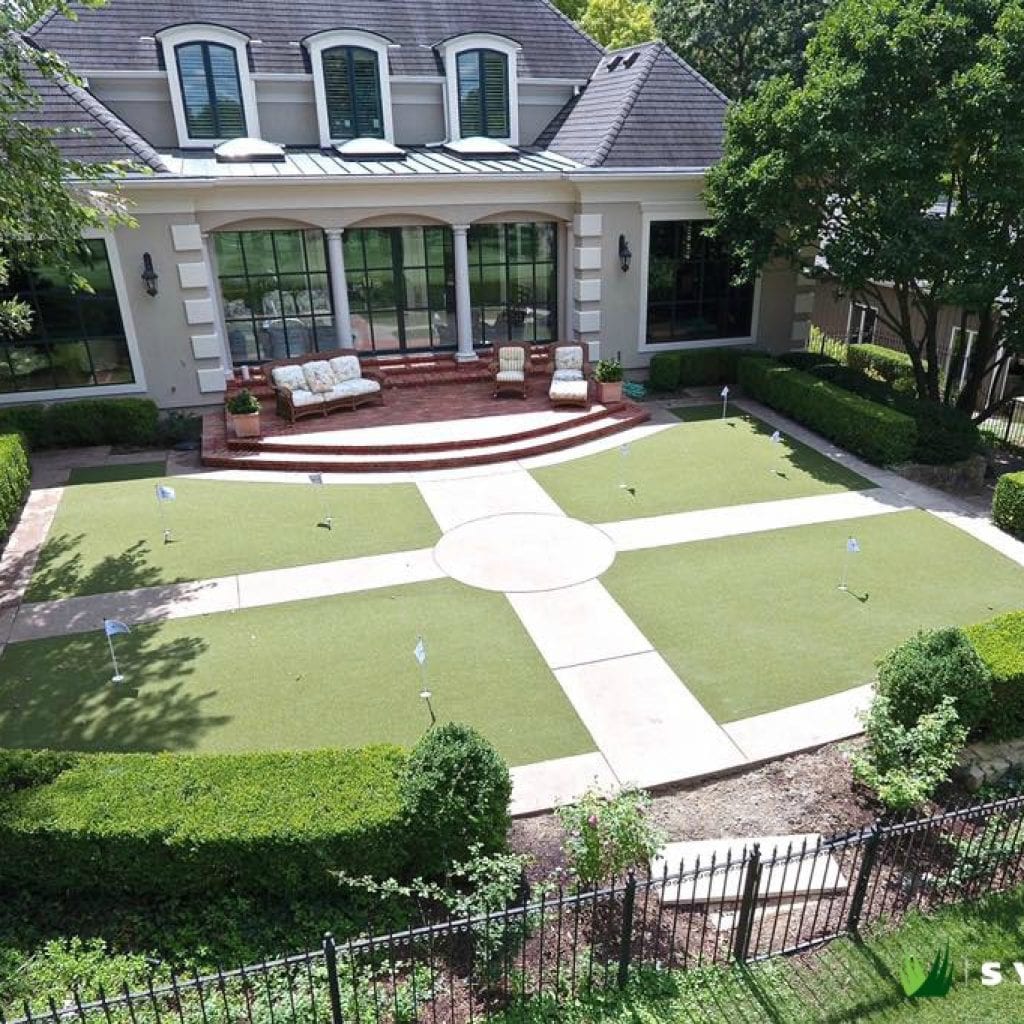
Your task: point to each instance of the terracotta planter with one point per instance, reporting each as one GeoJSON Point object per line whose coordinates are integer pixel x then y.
{"type": "Point", "coordinates": [247, 425]}
{"type": "Point", "coordinates": [609, 391]}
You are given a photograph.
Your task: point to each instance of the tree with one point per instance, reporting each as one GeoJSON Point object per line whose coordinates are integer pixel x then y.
{"type": "Point", "coordinates": [572, 8]}
{"type": "Point", "coordinates": [46, 201]}
{"type": "Point", "coordinates": [618, 23]}
{"type": "Point", "coordinates": [738, 44]}
{"type": "Point", "coordinates": [899, 159]}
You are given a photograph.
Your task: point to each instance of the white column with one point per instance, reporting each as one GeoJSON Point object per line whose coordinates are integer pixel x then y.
{"type": "Point", "coordinates": [463, 308]}
{"type": "Point", "coordinates": [339, 287]}
{"type": "Point", "coordinates": [213, 284]}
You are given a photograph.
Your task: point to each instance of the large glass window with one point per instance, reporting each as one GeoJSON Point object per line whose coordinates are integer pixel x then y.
{"type": "Point", "coordinates": [211, 90]}
{"type": "Point", "coordinates": [352, 91]}
{"type": "Point", "coordinates": [483, 93]}
{"type": "Point", "coordinates": [401, 288]}
{"type": "Point", "coordinates": [513, 280]}
{"type": "Point", "coordinates": [76, 339]}
{"type": "Point", "coordinates": [690, 292]}
{"type": "Point", "coordinates": [276, 291]}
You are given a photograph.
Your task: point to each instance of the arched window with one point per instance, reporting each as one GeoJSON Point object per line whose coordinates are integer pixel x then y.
{"type": "Point", "coordinates": [483, 93]}
{"type": "Point", "coordinates": [352, 92]}
{"type": "Point", "coordinates": [211, 90]}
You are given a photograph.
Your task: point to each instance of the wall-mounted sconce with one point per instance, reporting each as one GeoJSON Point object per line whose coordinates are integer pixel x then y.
{"type": "Point", "coordinates": [149, 275]}
{"type": "Point", "coordinates": [625, 254]}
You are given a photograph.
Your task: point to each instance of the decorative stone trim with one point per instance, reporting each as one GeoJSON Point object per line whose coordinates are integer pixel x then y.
{"type": "Point", "coordinates": [199, 311]}
{"type": "Point", "coordinates": [192, 275]}
{"type": "Point", "coordinates": [186, 237]}
{"type": "Point", "coordinates": [965, 477]}
{"type": "Point", "coordinates": [986, 763]}
{"type": "Point", "coordinates": [206, 346]}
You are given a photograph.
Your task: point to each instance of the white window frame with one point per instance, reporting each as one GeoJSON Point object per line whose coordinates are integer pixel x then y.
{"type": "Point", "coordinates": [138, 387]}
{"type": "Point", "coordinates": [864, 307]}
{"type": "Point", "coordinates": [450, 50]}
{"type": "Point", "coordinates": [316, 45]}
{"type": "Point", "coordinates": [198, 33]}
{"type": "Point", "coordinates": [680, 211]}
{"type": "Point", "coordinates": [972, 336]}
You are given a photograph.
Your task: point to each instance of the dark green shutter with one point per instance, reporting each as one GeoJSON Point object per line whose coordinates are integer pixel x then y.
{"type": "Point", "coordinates": [494, 72]}
{"type": "Point", "coordinates": [352, 89]}
{"type": "Point", "coordinates": [471, 119]}
{"type": "Point", "coordinates": [211, 91]}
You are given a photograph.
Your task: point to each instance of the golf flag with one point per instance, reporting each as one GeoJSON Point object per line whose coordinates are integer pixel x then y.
{"type": "Point", "coordinates": [623, 450]}
{"type": "Point", "coordinates": [420, 651]}
{"type": "Point", "coordinates": [776, 437]}
{"type": "Point", "coordinates": [852, 546]}
{"type": "Point", "coordinates": [316, 478]}
{"type": "Point", "coordinates": [725, 391]}
{"type": "Point", "coordinates": [165, 493]}
{"type": "Point", "coordinates": [114, 626]}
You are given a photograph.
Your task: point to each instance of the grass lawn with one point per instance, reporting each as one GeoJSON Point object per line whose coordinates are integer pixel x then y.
{"type": "Point", "coordinates": [335, 672]}
{"type": "Point", "coordinates": [705, 462]}
{"type": "Point", "coordinates": [757, 622]}
{"type": "Point", "coordinates": [108, 533]}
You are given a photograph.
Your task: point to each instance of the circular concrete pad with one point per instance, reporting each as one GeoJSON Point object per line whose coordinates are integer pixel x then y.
{"type": "Point", "coordinates": [520, 553]}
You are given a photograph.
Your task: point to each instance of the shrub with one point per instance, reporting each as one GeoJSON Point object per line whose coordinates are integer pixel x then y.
{"type": "Point", "coordinates": [608, 371]}
{"type": "Point", "coordinates": [129, 421]}
{"type": "Point", "coordinates": [164, 825]}
{"type": "Point", "coordinates": [665, 370]}
{"type": "Point", "coordinates": [823, 344]}
{"type": "Point", "coordinates": [607, 835]}
{"type": "Point", "coordinates": [886, 363]}
{"type": "Point", "coordinates": [904, 765]}
{"type": "Point", "coordinates": [1008, 503]}
{"type": "Point", "coordinates": [455, 793]}
{"type": "Point", "coordinates": [921, 672]}
{"type": "Point", "coordinates": [999, 643]}
{"type": "Point", "coordinates": [865, 428]}
{"type": "Point", "coordinates": [243, 403]}
{"type": "Point", "coordinates": [810, 362]}
{"type": "Point", "coordinates": [703, 366]}
{"type": "Point", "coordinates": [14, 480]}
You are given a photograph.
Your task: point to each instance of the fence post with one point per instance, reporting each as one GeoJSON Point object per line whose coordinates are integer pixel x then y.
{"type": "Point", "coordinates": [626, 937]}
{"type": "Point", "coordinates": [748, 899]}
{"type": "Point", "coordinates": [334, 989]}
{"type": "Point", "coordinates": [860, 887]}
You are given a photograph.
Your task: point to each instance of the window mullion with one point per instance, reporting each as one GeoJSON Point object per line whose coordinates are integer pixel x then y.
{"type": "Point", "coordinates": [211, 95]}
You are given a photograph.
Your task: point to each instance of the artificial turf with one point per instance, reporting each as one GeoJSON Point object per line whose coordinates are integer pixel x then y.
{"type": "Point", "coordinates": [334, 672]}
{"type": "Point", "coordinates": [108, 532]}
{"type": "Point", "coordinates": [756, 623]}
{"type": "Point", "coordinates": [705, 462]}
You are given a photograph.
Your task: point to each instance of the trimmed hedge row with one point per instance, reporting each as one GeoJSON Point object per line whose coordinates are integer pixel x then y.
{"type": "Point", "coordinates": [1000, 645]}
{"type": "Point", "coordinates": [888, 364]}
{"type": "Point", "coordinates": [1008, 503]}
{"type": "Point", "coordinates": [14, 480]}
{"type": "Point", "coordinates": [875, 432]}
{"type": "Point", "coordinates": [695, 367]}
{"type": "Point", "coordinates": [167, 824]}
{"type": "Point", "coordinates": [131, 421]}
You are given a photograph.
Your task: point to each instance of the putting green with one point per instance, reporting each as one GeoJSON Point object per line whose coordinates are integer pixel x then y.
{"type": "Point", "coordinates": [705, 462]}
{"type": "Point", "coordinates": [336, 672]}
{"type": "Point", "coordinates": [108, 535]}
{"type": "Point", "coordinates": [757, 622]}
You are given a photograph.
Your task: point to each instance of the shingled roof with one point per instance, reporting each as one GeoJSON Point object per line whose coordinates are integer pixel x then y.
{"type": "Point", "coordinates": [83, 128]}
{"type": "Point", "coordinates": [643, 107]}
{"type": "Point", "coordinates": [119, 35]}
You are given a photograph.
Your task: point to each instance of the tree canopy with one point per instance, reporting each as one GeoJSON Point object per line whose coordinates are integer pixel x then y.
{"type": "Point", "coordinates": [46, 201]}
{"type": "Point", "coordinates": [618, 23]}
{"type": "Point", "coordinates": [898, 164]}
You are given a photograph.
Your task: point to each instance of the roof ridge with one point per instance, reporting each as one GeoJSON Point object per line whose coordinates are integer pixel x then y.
{"type": "Point", "coordinates": [696, 74]}
{"type": "Point", "coordinates": [647, 64]}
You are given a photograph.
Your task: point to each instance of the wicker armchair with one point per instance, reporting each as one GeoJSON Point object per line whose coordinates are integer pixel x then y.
{"type": "Point", "coordinates": [510, 365]}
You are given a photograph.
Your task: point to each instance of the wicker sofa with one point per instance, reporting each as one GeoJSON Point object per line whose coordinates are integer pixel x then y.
{"type": "Point", "coordinates": [319, 383]}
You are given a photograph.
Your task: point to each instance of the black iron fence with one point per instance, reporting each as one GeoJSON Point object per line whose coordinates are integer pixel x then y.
{"type": "Point", "coordinates": [738, 906]}
{"type": "Point", "coordinates": [1008, 423]}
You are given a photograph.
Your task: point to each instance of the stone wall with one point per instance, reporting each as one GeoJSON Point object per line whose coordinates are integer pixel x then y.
{"type": "Point", "coordinates": [966, 477]}
{"type": "Point", "coordinates": [985, 763]}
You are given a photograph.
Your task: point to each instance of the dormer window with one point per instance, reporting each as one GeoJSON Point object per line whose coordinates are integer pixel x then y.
{"type": "Point", "coordinates": [211, 90]}
{"type": "Point", "coordinates": [483, 94]}
{"type": "Point", "coordinates": [352, 86]}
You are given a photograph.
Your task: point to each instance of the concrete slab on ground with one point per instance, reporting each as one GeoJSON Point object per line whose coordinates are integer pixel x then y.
{"type": "Point", "coordinates": [453, 502]}
{"type": "Point", "coordinates": [546, 784]}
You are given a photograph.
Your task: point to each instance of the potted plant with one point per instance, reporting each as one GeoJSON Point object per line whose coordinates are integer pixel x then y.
{"type": "Point", "coordinates": [608, 375]}
{"type": "Point", "coordinates": [244, 410]}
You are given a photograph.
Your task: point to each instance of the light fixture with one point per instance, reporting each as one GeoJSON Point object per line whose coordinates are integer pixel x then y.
{"type": "Point", "coordinates": [625, 254]}
{"type": "Point", "coordinates": [149, 275]}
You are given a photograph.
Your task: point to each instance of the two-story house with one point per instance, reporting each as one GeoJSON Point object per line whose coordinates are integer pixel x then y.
{"type": "Point", "coordinates": [399, 176]}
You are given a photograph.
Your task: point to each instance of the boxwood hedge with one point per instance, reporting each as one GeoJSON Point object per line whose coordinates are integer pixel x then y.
{"type": "Point", "coordinates": [875, 432]}
{"type": "Point", "coordinates": [887, 363]}
{"type": "Point", "coordinates": [14, 480]}
{"type": "Point", "coordinates": [695, 367]}
{"type": "Point", "coordinates": [132, 421]}
{"type": "Point", "coordinates": [1000, 644]}
{"type": "Point", "coordinates": [1008, 503]}
{"type": "Point", "coordinates": [165, 824]}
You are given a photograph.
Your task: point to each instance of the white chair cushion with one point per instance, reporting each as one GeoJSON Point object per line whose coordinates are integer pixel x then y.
{"type": "Point", "coordinates": [358, 386]}
{"type": "Point", "coordinates": [509, 376]}
{"type": "Point", "coordinates": [301, 397]}
{"type": "Point", "coordinates": [345, 368]}
{"type": "Point", "coordinates": [567, 375]}
{"type": "Point", "coordinates": [290, 378]}
{"type": "Point", "coordinates": [319, 378]}
{"type": "Point", "coordinates": [510, 359]}
{"type": "Point", "coordinates": [569, 358]}
{"type": "Point", "coordinates": [568, 390]}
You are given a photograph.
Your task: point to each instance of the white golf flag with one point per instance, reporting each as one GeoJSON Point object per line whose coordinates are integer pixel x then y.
{"type": "Point", "coordinates": [725, 391]}
{"type": "Point", "coordinates": [776, 437]}
{"type": "Point", "coordinates": [316, 478]}
{"type": "Point", "coordinates": [420, 651]}
{"type": "Point", "coordinates": [624, 450]}
{"type": "Point", "coordinates": [852, 546]}
{"type": "Point", "coordinates": [165, 493]}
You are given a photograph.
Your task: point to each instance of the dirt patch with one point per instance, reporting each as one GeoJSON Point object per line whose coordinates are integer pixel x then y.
{"type": "Point", "coordinates": [811, 792]}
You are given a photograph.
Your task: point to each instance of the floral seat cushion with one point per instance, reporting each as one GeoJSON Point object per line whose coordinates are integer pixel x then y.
{"type": "Point", "coordinates": [289, 378]}
{"type": "Point", "coordinates": [569, 357]}
{"type": "Point", "coordinates": [301, 397]}
{"type": "Point", "coordinates": [354, 386]}
{"type": "Point", "coordinates": [345, 368]}
{"type": "Point", "coordinates": [567, 375]}
{"type": "Point", "coordinates": [319, 377]}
